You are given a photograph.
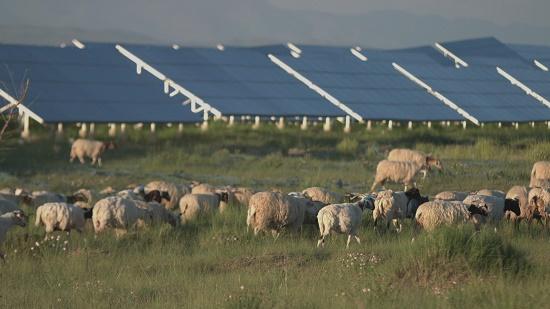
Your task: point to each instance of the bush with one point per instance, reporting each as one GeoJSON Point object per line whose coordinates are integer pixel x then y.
{"type": "Point", "coordinates": [348, 146]}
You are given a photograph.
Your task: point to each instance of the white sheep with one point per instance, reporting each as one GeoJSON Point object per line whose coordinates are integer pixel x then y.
{"type": "Point", "coordinates": [118, 213]}
{"type": "Point", "coordinates": [519, 194]}
{"type": "Point", "coordinates": [539, 205]}
{"type": "Point", "coordinates": [159, 213]}
{"type": "Point", "coordinates": [203, 188]}
{"type": "Point", "coordinates": [194, 205]}
{"type": "Point", "coordinates": [322, 195]}
{"type": "Point", "coordinates": [273, 211]}
{"type": "Point", "coordinates": [343, 219]}
{"type": "Point", "coordinates": [403, 154]}
{"type": "Point", "coordinates": [400, 172]}
{"type": "Point", "coordinates": [8, 220]}
{"type": "Point", "coordinates": [490, 192]}
{"type": "Point", "coordinates": [392, 206]}
{"type": "Point", "coordinates": [433, 214]}
{"type": "Point", "coordinates": [60, 217]}
{"type": "Point", "coordinates": [173, 191]}
{"type": "Point", "coordinates": [82, 148]}
{"type": "Point", "coordinates": [494, 206]}
{"type": "Point", "coordinates": [451, 196]}
{"type": "Point", "coordinates": [243, 195]}
{"type": "Point", "coordinates": [540, 175]}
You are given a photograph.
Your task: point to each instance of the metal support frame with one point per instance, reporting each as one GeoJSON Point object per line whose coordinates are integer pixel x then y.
{"type": "Point", "coordinates": [410, 125]}
{"type": "Point", "coordinates": [22, 108]}
{"type": "Point", "coordinates": [540, 65]}
{"type": "Point", "coordinates": [314, 87]}
{"type": "Point", "coordinates": [281, 123]}
{"type": "Point", "coordinates": [256, 124]}
{"type": "Point", "coordinates": [83, 130]}
{"type": "Point", "coordinates": [436, 94]}
{"type": "Point", "coordinates": [390, 124]}
{"type": "Point", "coordinates": [448, 54]}
{"type": "Point", "coordinates": [514, 81]}
{"type": "Point", "coordinates": [369, 125]}
{"type": "Point", "coordinates": [112, 129]}
{"type": "Point", "coordinates": [231, 121]}
{"type": "Point", "coordinates": [197, 104]}
{"type": "Point", "coordinates": [347, 126]}
{"type": "Point", "coordinates": [328, 124]}
{"type": "Point", "coordinates": [304, 123]}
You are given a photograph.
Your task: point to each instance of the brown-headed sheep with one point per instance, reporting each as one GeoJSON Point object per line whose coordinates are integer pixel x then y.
{"type": "Point", "coordinates": [82, 148]}
{"type": "Point", "coordinates": [164, 186]}
{"type": "Point", "coordinates": [399, 172]}
{"type": "Point", "coordinates": [394, 206]}
{"type": "Point", "coordinates": [403, 154]}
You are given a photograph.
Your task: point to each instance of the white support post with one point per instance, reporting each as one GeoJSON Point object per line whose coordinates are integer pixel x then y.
{"type": "Point", "coordinates": [369, 125]}
{"type": "Point", "coordinates": [410, 125]}
{"type": "Point", "coordinates": [180, 127]}
{"type": "Point", "coordinates": [153, 127]}
{"type": "Point", "coordinates": [138, 126]}
{"type": "Point", "coordinates": [83, 130]}
{"type": "Point", "coordinates": [204, 125]}
{"type": "Point", "coordinates": [281, 123]}
{"type": "Point", "coordinates": [448, 124]}
{"type": "Point", "coordinates": [429, 124]}
{"type": "Point", "coordinates": [304, 123]}
{"type": "Point", "coordinates": [532, 124]}
{"type": "Point", "coordinates": [328, 124]}
{"type": "Point", "coordinates": [390, 125]}
{"type": "Point", "coordinates": [516, 125]}
{"type": "Point", "coordinates": [483, 125]}
{"type": "Point", "coordinates": [60, 128]}
{"type": "Point", "coordinates": [26, 127]}
{"type": "Point", "coordinates": [92, 129]}
{"type": "Point", "coordinates": [499, 124]}
{"type": "Point", "coordinates": [464, 123]}
{"type": "Point", "coordinates": [347, 126]}
{"type": "Point", "coordinates": [256, 124]}
{"type": "Point", "coordinates": [122, 128]}
{"type": "Point", "coordinates": [548, 124]}
{"type": "Point", "coordinates": [231, 121]}
{"type": "Point", "coordinates": [112, 129]}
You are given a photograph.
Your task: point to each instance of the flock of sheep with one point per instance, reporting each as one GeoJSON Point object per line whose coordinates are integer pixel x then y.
{"type": "Point", "coordinates": [161, 202]}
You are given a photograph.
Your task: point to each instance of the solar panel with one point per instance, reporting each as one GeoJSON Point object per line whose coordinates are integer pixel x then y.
{"type": "Point", "coordinates": [532, 52]}
{"type": "Point", "coordinates": [94, 84]}
{"type": "Point", "coordinates": [373, 89]}
{"type": "Point", "coordinates": [236, 81]}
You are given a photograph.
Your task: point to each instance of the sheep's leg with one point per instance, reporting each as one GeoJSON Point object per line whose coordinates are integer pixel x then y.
{"type": "Point", "coordinates": [94, 160]}
{"type": "Point", "coordinates": [424, 173]}
{"type": "Point", "coordinates": [321, 241]}
{"type": "Point", "coordinates": [81, 159]}
{"type": "Point", "coordinates": [275, 234]}
{"type": "Point", "coordinates": [3, 257]}
{"type": "Point", "coordinates": [99, 161]}
{"type": "Point", "coordinates": [357, 239]}
{"type": "Point", "coordinates": [349, 240]}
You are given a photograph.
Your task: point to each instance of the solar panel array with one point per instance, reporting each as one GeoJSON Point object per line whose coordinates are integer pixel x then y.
{"type": "Point", "coordinates": [94, 84]}
{"type": "Point", "coordinates": [237, 81]}
{"type": "Point", "coordinates": [373, 88]}
{"type": "Point", "coordinates": [99, 84]}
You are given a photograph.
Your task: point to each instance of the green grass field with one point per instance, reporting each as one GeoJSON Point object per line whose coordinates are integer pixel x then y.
{"type": "Point", "coordinates": [215, 263]}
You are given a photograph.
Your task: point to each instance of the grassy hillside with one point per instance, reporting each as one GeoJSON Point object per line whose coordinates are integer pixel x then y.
{"type": "Point", "coordinates": [216, 263]}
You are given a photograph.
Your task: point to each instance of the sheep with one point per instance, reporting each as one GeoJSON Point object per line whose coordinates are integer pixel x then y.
{"type": "Point", "coordinates": [159, 213]}
{"type": "Point", "coordinates": [341, 218]}
{"type": "Point", "coordinates": [39, 198]}
{"type": "Point", "coordinates": [489, 192]}
{"type": "Point", "coordinates": [394, 206]}
{"type": "Point", "coordinates": [312, 207]}
{"type": "Point", "coordinates": [540, 175]}
{"type": "Point", "coordinates": [433, 214]}
{"type": "Point", "coordinates": [195, 205]}
{"type": "Point", "coordinates": [273, 211]}
{"type": "Point", "coordinates": [403, 172]}
{"type": "Point", "coordinates": [451, 196]}
{"type": "Point", "coordinates": [494, 206]}
{"type": "Point", "coordinates": [164, 186]}
{"type": "Point", "coordinates": [7, 220]}
{"type": "Point", "coordinates": [404, 155]}
{"type": "Point", "coordinates": [60, 216]}
{"type": "Point", "coordinates": [118, 213]}
{"type": "Point", "coordinates": [203, 188]}
{"type": "Point", "coordinates": [520, 194]}
{"type": "Point", "coordinates": [539, 205]}
{"type": "Point", "coordinates": [322, 195]}
{"type": "Point", "coordinates": [7, 206]}
{"type": "Point", "coordinates": [243, 195]}
{"type": "Point", "coordinates": [82, 148]}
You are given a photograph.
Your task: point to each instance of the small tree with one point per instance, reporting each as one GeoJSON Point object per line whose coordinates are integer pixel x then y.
{"type": "Point", "coordinates": [12, 111]}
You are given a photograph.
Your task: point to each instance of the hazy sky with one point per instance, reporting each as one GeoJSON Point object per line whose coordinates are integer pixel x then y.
{"type": "Point", "coordinates": [375, 23]}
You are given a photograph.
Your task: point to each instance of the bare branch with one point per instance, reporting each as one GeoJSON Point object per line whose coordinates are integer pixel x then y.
{"type": "Point", "coordinates": [12, 111]}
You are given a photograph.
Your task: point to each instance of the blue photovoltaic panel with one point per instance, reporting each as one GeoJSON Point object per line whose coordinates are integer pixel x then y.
{"type": "Point", "coordinates": [533, 52]}
{"type": "Point", "coordinates": [95, 84]}
{"type": "Point", "coordinates": [373, 89]}
{"type": "Point", "coordinates": [487, 52]}
{"type": "Point", "coordinates": [481, 92]}
{"type": "Point", "coordinates": [536, 79]}
{"type": "Point", "coordinates": [236, 81]}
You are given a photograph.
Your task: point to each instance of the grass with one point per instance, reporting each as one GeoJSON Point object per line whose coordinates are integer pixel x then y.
{"type": "Point", "coordinates": [215, 263]}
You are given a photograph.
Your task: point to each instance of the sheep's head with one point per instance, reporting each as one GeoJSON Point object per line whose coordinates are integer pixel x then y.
{"type": "Point", "coordinates": [432, 161]}
{"type": "Point", "coordinates": [19, 218]}
{"type": "Point", "coordinates": [77, 197]}
{"type": "Point", "coordinates": [88, 213]}
{"type": "Point", "coordinates": [367, 202]}
{"type": "Point", "coordinates": [512, 205]}
{"type": "Point", "coordinates": [223, 196]}
{"type": "Point", "coordinates": [153, 196]}
{"type": "Point", "coordinates": [476, 210]}
{"type": "Point", "coordinates": [353, 197]}
{"type": "Point", "coordinates": [110, 145]}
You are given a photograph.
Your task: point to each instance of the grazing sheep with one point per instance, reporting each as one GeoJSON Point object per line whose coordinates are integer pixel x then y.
{"type": "Point", "coordinates": [60, 217]}
{"type": "Point", "coordinates": [118, 213]}
{"type": "Point", "coordinates": [170, 188]}
{"type": "Point", "coordinates": [7, 220]}
{"type": "Point", "coordinates": [451, 196]}
{"type": "Point", "coordinates": [83, 148]}
{"type": "Point", "coordinates": [488, 192]}
{"type": "Point", "coordinates": [341, 218]}
{"type": "Point", "coordinates": [130, 194]}
{"type": "Point", "coordinates": [520, 194]}
{"type": "Point", "coordinates": [539, 205]}
{"type": "Point", "coordinates": [540, 175]}
{"type": "Point", "coordinates": [273, 211]}
{"type": "Point", "coordinates": [394, 206]}
{"type": "Point", "coordinates": [322, 195]}
{"type": "Point", "coordinates": [7, 206]}
{"type": "Point", "coordinates": [203, 188]}
{"type": "Point", "coordinates": [87, 196]}
{"type": "Point", "coordinates": [494, 206]}
{"type": "Point", "coordinates": [243, 195]}
{"type": "Point", "coordinates": [195, 205]}
{"type": "Point", "coordinates": [433, 214]}
{"type": "Point", "coordinates": [159, 213]}
{"type": "Point", "coordinates": [400, 172]}
{"type": "Point", "coordinates": [404, 155]}
{"type": "Point", "coordinates": [312, 207]}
